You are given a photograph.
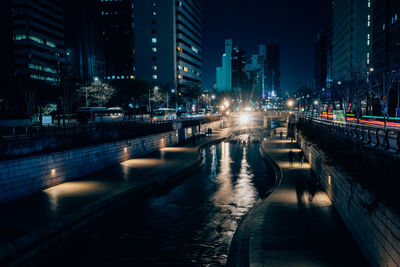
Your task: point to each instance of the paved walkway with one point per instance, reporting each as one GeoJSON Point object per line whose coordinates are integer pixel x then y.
{"type": "Point", "coordinates": [34, 217]}
{"type": "Point", "coordinates": [289, 230]}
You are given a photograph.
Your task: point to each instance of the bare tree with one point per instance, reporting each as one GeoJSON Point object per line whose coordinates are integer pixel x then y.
{"type": "Point", "coordinates": [29, 92]}
{"type": "Point", "coordinates": [98, 93]}
{"type": "Point", "coordinates": [353, 92]}
{"type": "Point", "coordinates": [380, 87]}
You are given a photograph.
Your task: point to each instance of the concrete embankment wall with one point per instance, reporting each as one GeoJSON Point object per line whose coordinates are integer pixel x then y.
{"type": "Point", "coordinates": [23, 176]}
{"type": "Point", "coordinates": [376, 231]}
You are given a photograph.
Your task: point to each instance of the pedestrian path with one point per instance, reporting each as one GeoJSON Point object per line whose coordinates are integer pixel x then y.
{"type": "Point", "coordinates": [290, 230]}
{"type": "Point", "coordinates": [33, 218]}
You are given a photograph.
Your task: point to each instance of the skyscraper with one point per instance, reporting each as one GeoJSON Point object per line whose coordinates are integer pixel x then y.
{"type": "Point", "coordinates": [351, 38]}
{"type": "Point", "coordinates": [168, 44]}
{"type": "Point", "coordinates": [256, 71]}
{"type": "Point", "coordinates": [38, 39]}
{"type": "Point", "coordinates": [84, 48]}
{"type": "Point", "coordinates": [224, 73]}
{"type": "Point", "coordinates": [116, 27]}
{"type": "Point", "coordinates": [320, 66]}
{"type": "Point", "coordinates": [273, 75]}
{"type": "Point", "coordinates": [386, 45]}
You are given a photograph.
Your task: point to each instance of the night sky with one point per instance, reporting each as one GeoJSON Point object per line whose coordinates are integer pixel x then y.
{"type": "Point", "coordinates": [292, 23]}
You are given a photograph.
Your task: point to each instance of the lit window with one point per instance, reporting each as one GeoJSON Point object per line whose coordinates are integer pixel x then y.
{"type": "Point", "coordinates": [20, 37]}
{"type": "Point", "coordinates": [195, 49]}
{"type": "Point", "coordinates": [368, 36]}
{"type": "Point", "coordinates": [185, 69]}
{"type": "Point", "coordinates": [384, 26]}
{"type": "Point", "coordinates": [50, 44]}
{"type": "Point", "coordinates": [154, 40]}
{"type": "Point", "coordinates": [154, 49]}
{"type": "Point", "coordinates": [180, 76]}
{"type": "Point", "coordinates": [155, 77]}
{"type": "Point", "coordinates": [179, 49]}
{"type": "Point", "coordinates": [155, 68]}
{"type": "Point", "coordinates": [154, 13]}
{"type": "Point", "coordinates": [179, 67]}
{"type": "Point", "coordinates": [368, 42]}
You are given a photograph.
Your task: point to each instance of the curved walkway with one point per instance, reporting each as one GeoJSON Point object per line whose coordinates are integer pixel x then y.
{"type": "Point", "coordinates": [289, 230]}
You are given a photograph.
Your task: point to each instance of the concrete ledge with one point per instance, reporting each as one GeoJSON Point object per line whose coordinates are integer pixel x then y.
{"type": "Point", "coordinates": [26, 248]}
{"type": "Point", "coordinates": [377, 232]}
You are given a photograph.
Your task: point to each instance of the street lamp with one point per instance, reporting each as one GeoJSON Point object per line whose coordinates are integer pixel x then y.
{"type": "Point", "coordinates": [290, 104]}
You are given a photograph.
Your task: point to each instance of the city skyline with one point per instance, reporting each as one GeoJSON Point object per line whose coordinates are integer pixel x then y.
{"type": "Point", "coordinates": [299, 24]}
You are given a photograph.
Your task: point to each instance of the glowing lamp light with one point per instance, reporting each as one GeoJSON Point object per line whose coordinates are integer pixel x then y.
{"type": "Point", "coordinates": [244, 118]}
{"type": "Point", "coordinates": [290, 103]}
{"type": "Point", "coordinates": [53, 171]}
{"type": "Point", "coordinates": [226, 103]}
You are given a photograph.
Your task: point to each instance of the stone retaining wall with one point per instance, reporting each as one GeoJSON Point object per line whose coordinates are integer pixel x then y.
{"type": "Point", "coordinates": [23, 176]}
{"type": "Point", "coordinates": [377, 232]}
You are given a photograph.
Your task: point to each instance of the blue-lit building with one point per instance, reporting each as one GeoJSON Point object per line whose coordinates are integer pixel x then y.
{"type": "Point", "coordinates": [38, 39]}
{"type": "Point", "coordinates": [168, 45]}
{"type": "Point", "coordinates": [224, 73]}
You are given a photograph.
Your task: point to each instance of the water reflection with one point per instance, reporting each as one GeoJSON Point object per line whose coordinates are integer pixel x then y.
{"type": "Point", "coordinates": [244, 192]}
{"type": "Point", "coordinates": [193, 224]}
{"type": "Point", "coordinates": [224, 193]}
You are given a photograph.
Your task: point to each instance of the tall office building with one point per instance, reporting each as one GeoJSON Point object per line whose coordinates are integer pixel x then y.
{"type": "Point", "coordinates": [168, 44]}
{"type": "Point", "coordinates": [224, 73]}
{"type": "Point", "coordinates": [231, 76]}
{"type": "Point", "coordinates": [351, 38]}
{"type": "Point", "coordinates": [386, 45]}
{"type": "Point", "coordinates": [273, 75]}
{"type": "Point", "coordinates": [256, 71]}
{"type": "Point", "coordinates": [84, 50]}
{"type": "Point", "coordinates": [7, 94]}
{"type": "Point", "coordinates": [38, 39]}
{"type": "Point", "coordinates": [116, 29]}
{"type": "Point", "coordinates": [320, 65]}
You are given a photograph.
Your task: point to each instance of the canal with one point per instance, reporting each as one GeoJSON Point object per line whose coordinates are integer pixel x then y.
{"type": "Point", "coordinates": [191, 224]}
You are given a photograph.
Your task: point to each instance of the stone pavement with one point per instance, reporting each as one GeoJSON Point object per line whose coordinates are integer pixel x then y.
{"type": "Point", "coordinates": [287, 229]}
{"type": "Point", "coordinates": [30, 224]}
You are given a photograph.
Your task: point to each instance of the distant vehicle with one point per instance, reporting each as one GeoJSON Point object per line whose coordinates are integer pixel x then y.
{"type": "Point", "coordinates": [99, 114]}
{"type": "Point", "coordinates": [201, 111]}
{"type": "Point", "coordinates": [164, 114]}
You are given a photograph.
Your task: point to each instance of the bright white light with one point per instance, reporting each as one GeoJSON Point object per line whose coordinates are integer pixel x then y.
{"type": "Point", "coordinates": [226, 103]}
{"type": "Point", "coordinates": [96, 79]}
{"type": "Point", "coordinates": [244, 118]}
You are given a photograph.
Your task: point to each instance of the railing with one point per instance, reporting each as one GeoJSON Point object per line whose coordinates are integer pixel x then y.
{"type": "Point", "coordinates": [388, 138]}
{"type": "Point", "coordinates": [29, 132]}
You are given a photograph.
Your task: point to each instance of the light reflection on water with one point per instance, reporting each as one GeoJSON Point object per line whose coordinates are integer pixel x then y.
{"type": "Point", "coordinates": [193, 224]}
{"type": "Point", "coordinates": [245, 195]}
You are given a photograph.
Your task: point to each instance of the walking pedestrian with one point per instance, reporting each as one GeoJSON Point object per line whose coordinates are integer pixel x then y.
{"type": "Point", "coordinates": [301, 158]}
{"type": "Point", "coordinates": [274, 132]}
{"type": "Point", "coordinates": [313, 185]}
{"type": "Point", "coordinates": [281, 134]}
{"type": "Point", "coordinates": [291, 158]}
